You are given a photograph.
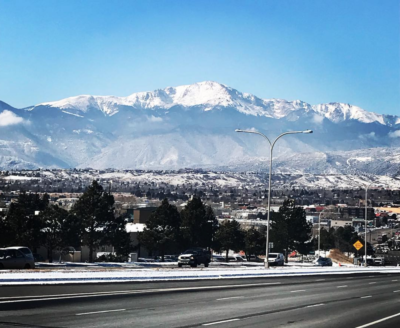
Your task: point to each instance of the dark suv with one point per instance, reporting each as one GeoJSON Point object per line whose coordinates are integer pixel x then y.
{"type": "Point", "coordinates": [324, 261]}
{"type": "Point", "coordinates": [194, 257]}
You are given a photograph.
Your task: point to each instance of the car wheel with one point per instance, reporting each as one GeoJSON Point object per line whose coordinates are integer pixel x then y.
{"type": "Point", "coordinates": [180, 265]}
{"type": "Point", "coordinates": [194, 265]}
{"type": "Point", "coordinates": [206, 264]}
{"type": "Point", "coordinates": [27, 266]}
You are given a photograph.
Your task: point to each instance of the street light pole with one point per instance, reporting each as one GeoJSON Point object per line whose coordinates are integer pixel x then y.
{"type": "Point", "coordinates": [365, 223]}
{"type": "Point", "coordinates": [271, 144]}
{"type": "Point", "coordinates": [319, 233]}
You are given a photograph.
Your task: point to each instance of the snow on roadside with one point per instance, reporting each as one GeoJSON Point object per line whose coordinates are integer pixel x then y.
{"type": "Point", "coordinates": [63, 276]}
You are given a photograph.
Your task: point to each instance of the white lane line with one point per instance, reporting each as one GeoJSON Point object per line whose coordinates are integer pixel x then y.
{"type": "Point", "coordinates": [342, 286]}
{"type": "Point", "coordinates": [366, 296]}
{"type": "Point", "coordinates": [218, 322]}
{"type": "Point", "coordinates": [371, 276]}
{"type": "Point", "coordinates": [394, 280]}
{"type": "Point", "coordinates": [123, 292]}
{"type": "Point", "coordinates": [378, 321]}
{"type": "Point", "coordinates": [315, 305]}
{"type": "Point", "coordinates": [229, 298]}
{"type": "Point", "coordinates": [371, 283]}
{"type": "Point", "coordinates": [298, 291]}
{"type": "Point", "coordinates": [97, 312]}
{"type": "Point", "coordinates": [320, 280]}
{"type": "Point", "coordinates": [396, 291]}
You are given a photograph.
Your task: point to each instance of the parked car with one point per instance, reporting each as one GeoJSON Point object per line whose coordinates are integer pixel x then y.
{"type": "Point", "coordinates": [379, 261]}
{"type": "Point", "coordinates": [276, 259]}
{"type": "Point", "coordinates": [218, 258]}
{"type": "Point", "coordinates": [194, 257]}
{"type": "Point", "coordinates": [16, 257]}
{"type": "Point", "coordinates": [370, 262]}
{"type": "Point", "coordinates": [323, 261]}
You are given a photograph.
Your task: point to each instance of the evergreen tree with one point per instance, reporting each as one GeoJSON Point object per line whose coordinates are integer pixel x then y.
{"type": "Point", "coordinates": [162, 229]}
{"type": "Point", "coordinates": [72, 231]}
{"type": "Point", "coordinates": [117, 236]}
{"type": "Point", "coordinates": [198, 224]}
{"type": "Point", "coordinates": [53, 218]}
{"type": "Point", "coordinates": [254, 242]}
{"type": "Point", "coordinates": [24, 222]}
{"type": "Point", "coordinates": [6, 237]}
{"type": "Point", "coordinates": [95, 210]}
{"type": "Point", "coordinates": [229, 236]}
{"type": "Point", "coordinates": [289, 228]}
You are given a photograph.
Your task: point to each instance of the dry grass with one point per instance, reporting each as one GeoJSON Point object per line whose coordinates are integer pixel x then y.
{"type": "Point", "coordinates": [338, 257]}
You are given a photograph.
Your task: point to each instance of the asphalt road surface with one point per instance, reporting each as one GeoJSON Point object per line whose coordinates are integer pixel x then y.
{"type": "Point", "coordinates": [369, 300]}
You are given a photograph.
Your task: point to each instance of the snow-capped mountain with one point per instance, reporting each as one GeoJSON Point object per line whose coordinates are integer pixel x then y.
{"type": "Point", "coordinates": [211, 95]}
{"type": "Point", "coordinates": [184, 126]}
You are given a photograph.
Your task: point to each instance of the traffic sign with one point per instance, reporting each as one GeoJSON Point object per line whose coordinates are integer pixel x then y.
{"type": "Point", "coordinates": [358, 245]}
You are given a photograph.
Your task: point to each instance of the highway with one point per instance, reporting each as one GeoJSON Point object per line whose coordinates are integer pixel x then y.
{"type": "Point", "coordinates": [368, 300]}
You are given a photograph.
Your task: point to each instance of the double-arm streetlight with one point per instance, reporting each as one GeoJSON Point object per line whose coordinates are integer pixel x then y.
{"type": "Point", "coordinates": [271, 144]}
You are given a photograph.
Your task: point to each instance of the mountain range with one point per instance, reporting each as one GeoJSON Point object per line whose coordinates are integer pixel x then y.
{"type": "Point", "coordinates": [194, 126]}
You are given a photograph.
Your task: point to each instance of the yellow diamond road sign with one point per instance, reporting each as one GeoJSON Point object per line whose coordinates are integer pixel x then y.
{"type": "Point", "coordinates": [358, 245]}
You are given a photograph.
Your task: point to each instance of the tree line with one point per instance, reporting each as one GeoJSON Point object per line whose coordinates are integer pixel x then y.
{"type": "Point", "coordinates": [32, 221]}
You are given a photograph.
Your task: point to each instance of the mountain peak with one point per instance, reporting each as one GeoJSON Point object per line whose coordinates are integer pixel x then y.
{"type": "Point", "coordinates": [211, 95]}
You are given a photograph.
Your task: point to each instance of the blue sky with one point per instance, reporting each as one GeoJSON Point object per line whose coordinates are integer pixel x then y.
{"type": "Point", "coordinates": [317, 51]}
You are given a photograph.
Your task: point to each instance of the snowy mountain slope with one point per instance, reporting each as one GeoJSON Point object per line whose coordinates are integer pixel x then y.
{"type": "Point", "coordinates": [191, 126]}
{"type": "Point", "coordinates": [211, 95]}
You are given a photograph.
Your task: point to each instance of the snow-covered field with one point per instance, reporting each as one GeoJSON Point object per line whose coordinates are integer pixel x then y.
{"type": "Point", "coordinates": [90, 275]}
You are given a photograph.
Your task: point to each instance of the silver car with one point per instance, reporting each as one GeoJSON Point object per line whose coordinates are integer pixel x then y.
{"type": "Point", "coordinates": [17, 257]}
{"type": "Point", "coordinates": [276, 259]}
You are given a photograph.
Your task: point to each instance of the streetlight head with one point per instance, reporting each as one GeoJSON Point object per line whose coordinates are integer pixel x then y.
{"type": "Point", "coordinates": [308, 131]}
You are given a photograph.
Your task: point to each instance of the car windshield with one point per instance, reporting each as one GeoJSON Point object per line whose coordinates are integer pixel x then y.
{"type": "Point", "coordinates": [26, 251]}
{"type": "Point", "coordinates": [190, 251]}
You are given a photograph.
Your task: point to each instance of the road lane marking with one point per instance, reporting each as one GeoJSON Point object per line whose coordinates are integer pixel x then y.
{"type": "Point", "coordinates": [342, 286]}
{"type": "Point", "coordinates": [218, 322]}
{"type": "Point", "coordinates": [396, 291]}
{"type": "Point", "coordinates": [378, 321]}
{"type": "Point", "coordinates": [229, 298]}
{"type": "Point", "coordinates": [371, 283]}
{"type": "Point", "coordinates": [122, 292]}
{"type": "Point", "coordinates": [298, 291]}
{"type": "Point", "coordinates": [309, 306]}
{"type": "Point", "coordinates": [394, 280]}
{"type": "Point", "coordinates": [366, 296]}
{"type": "Point", "coordinates": [371, 276]}
{"type": "Point", "coordinates": [97, 312]}
{"type": "Point", "coordinates": [320, 280]}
